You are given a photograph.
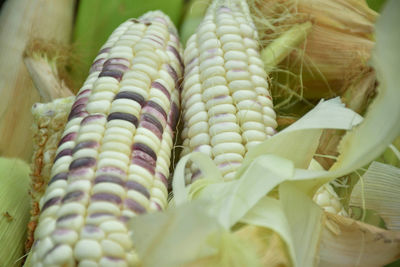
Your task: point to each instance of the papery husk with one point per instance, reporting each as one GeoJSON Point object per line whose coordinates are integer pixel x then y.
{"type": "Point", "coordinates": [21, 22]}
{"type": "Point", "coordinates": [379, 190]}
{"type": "Point", "coordinates": [347, 242]}
{"type": "Point", "coordinates": [14, 210]}
{"type": "Point", "coordinates": [335, 52]}
{"type": "Point", "coordinates": [268, 245]}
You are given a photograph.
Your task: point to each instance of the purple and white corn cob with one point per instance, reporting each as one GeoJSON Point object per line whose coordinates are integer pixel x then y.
{"type": "Point", "coordinates": [113, 159]}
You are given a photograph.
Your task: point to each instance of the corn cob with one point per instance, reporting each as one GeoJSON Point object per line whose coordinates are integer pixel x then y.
{"type": "Point", "coordinates": [112, 161]}
{"type": "Point", "coordinates": [48, 124]}
{"type": "Point", "coordinates": [327, 199]}
{"type": "Point", "coordinates": [227, 108]}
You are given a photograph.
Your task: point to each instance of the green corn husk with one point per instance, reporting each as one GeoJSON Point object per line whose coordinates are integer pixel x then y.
{"type": "Point", "coordinates": [23, 22]}
{"type": "Point", "coordinates": [14, 211]}
{"type": "Point", "coordinates": [96, 19]}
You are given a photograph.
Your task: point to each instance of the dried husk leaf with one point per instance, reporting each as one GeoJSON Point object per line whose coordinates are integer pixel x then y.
{"type": "Point", "coordinates": [379, 190]}
{"type": "Point", "coordinates": [347, 242]}
{"type": "Point", "coordinates": [335, 52]}
{"type": "Point", "coordinates": [21, 22]}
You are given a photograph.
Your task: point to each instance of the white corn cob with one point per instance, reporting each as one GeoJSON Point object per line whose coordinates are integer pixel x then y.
{"type": "Point", "coordinates": [112, 161]}
{"type": "Point", "coordinates": [327, 199]}
{"type": "Point", "coordinates": [227, 108]}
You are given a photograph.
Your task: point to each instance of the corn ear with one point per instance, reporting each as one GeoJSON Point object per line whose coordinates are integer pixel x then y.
{"type": "Point", "coordinates": [227, 108]}
{"type": "Point", "coordinates": [112, 162]}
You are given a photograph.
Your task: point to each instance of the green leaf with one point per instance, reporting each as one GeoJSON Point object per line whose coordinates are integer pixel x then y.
{"type": "Point", "coordinates": [15, 204]}
{"type": "Point", "coordinates": [96, 19]}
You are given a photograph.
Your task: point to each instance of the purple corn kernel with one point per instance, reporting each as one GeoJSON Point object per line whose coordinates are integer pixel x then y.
{"type": "Point", "coordinates": [85, 144]}
{"type": "Point", "coordinates": [59, 176]}
{"type": "Point", "coordinates": [67, 217]}
{"type": "Point", "coordinates": [77, 111]}
{"type": "Point", "coordinates": [78, 115]}
{"type": "Point", "coordinates": [176, 53]}
{"type": "Point", "coordinates": [80, 101]}
{"type": "Point", "coordinates": [101, 214]}
{"type": "Point", "coordinates": [161, 88]}
{"type": "Point", "coordinates": [91, 118]}
{"type": "Point", "coordinates": [157, 205]}
{"type": "Point", "coordinates": [137, 154]}
{"type": "Point", "coordinates": [77, 173]}
{"type": "Point", "coordinates": [62, 153]}
{"type": "Point", "coordinates": [146, 117]}
{"type": "Point", "coordinates": [112, 170]}
{"type": "Point", "coordinates": [220, 97]}
{"type": "Point", "coordinates": [156, 107]}
{"type": "Point", "coordinates": [105, 50]}
{"type": "Point", "coordinates": [106, 197]}
{"type": "Point", "coordinates": [84, 162]}
{"type": "Point", "coordinates": [62, 231]}
{"type": "Point", "coordinates": [108, 179]}
{"type": "Point", "coordinates": [160, 117]}
{"type": "Point", "coordinates": [97, 65]}
{"type": "Point", "coordinates": [132, 185]}
{"type": "Point", "coordinates": [144, 164]}
{"type": "Point", "coordinates": [73, 196]}
{"type": "Point", "coordinates": [151, 127]}
{"type": "Point", "coordinates": [132, 96]}
{"type": "Point", "coordinates": [162, 178]}
{"type": "Point", "coordinates": [84, 92]}
{"type": "Point", "coordinates": [69, 137]}
{"type": "Point", "coordinates": [52, 201]}
{"type": "Point", "coordinates": [117, 60]}
{"type": "Point", "coordinates": [173, 74]}
{"type": "Point", "coordinates": [146, 149]}
{"type": "Point", "coordinates": [123, 116]}
{"type": "Point", "coordinates": [89, 228]}
{"type": "Point", "coordinates": [134, 206]}
{"type": "Point", "coordinates": [156, 41]}
{"type": "Point", "coordinates": [173, 115]}
{"type": "Point", "coordinates": [117, 74]}
{"type": "Point", "coordinates": [115, 67]}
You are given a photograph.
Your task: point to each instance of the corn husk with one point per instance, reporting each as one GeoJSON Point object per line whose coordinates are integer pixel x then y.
{"type": "Point", "coordinates": [14, 210]}
{"type": "Point", "coordinates": [335, 52]}
{"type": "Point", "coordinates": [22, 22]}
{"type": "Point", "coordinates": [379, 190]}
